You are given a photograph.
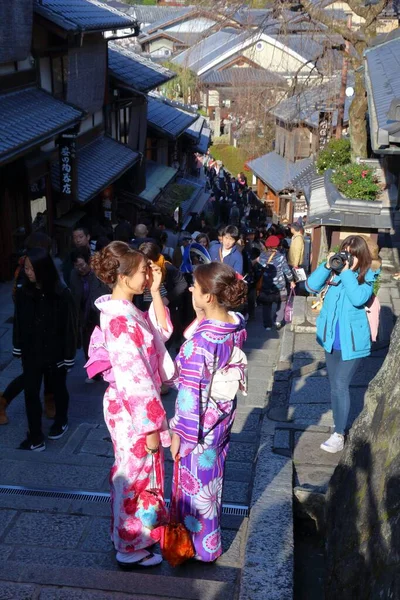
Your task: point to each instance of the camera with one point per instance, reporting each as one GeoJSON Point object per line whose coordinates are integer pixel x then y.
{"type": "Point", "coordinates": [338, 261]}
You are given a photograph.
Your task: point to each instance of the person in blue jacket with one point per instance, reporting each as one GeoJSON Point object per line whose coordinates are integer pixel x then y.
{"type": "Point", "coordinates": [342, 327]}
{"type": "Point", "coordinates": [227, 252]}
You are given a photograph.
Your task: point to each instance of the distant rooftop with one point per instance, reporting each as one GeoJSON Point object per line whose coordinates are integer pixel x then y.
{"type": "Point", "coordinates": [278, 172]}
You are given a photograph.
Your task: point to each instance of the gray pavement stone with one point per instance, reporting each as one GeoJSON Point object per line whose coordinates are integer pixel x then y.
{"type": "Point", "coordinates": [52, 531]}
{"type": "Point", "coordinates": [313, 477]}
{"type": "Point", "coordinates": [17, 591]}
{"type": "Point", "coordinates": [307, 450]}
{"type": "Point", "coordinates": [299, 310]}
{"type": "Point", "coordinates": [286, 351]}
{"type": "Point", "coordinates": [42, 475]}
{"type": "Point", "coordinates": [97, 537]}
{"type": "Point", "coordinates": [394, 292]}
{"type": "Point", "coordinates": [268, 572]}
{"type": "Point", "coordinates": [282, 439]}
{"type": "Point", "coordinates": [63, 558]}
{"type": "Point", "coordinates": [235, 492]}
{"type": "Point", "coordinates": [249, 420]}
{"type": "Point", "coordinates": [310, 390]}
{"type": "Point", "coordinates": [242, 452]}
{"type": "Point", "coordinates": [6, 516]}
{"type": "Point", "coordinates": [73, 594]}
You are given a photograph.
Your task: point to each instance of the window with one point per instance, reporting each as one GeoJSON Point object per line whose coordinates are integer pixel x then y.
{"type": "Point", "coordinates": [59, 76]}
{"type": "Point", "coordinates": [259, 46]}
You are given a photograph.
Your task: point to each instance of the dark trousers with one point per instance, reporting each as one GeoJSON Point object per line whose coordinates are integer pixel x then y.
{"type": "Point", "coordinates": [340, 373]}
{"type": "Point", "coordinates": [16, 386]}
{"type": "Point", "coordinates": [273, 312]}
{"type": "Point", "coordinates": [33, 375]}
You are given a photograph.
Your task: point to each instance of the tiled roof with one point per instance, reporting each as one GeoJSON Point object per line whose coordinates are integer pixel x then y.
{"type": "Point", "coordinates": [204, 142]}
{"type": "Point", "coordinates": [100, 163]}
{"type": "Point", "coordinates": [157, 178]}
{"type": "Point", "coordinates": [328, 207]}
{"type": "Point", "coordinates": [311, 47]}
{"type": "Point", "coordinates": [32, 116]}
{"type": "Point", "coordinates": [172, 121]}
{"type": "Point", "coordinates": [195, 129]}
{"type": "Point", "coordinates": [249, 75]}
{"type": "Point", "coordinates": [153, 14]}
{"type": "Point", "coordinates": [277, 172]}
{"type": "Point", "coordinates": [301, 108]}
{"type": "Point", "coordinates": [83, 15]}
{"type": "Point", "coordinates": [382, 77]}
{"type": "Point", "coordinates": [134, 70]}
{"type": "Point", "coordinates": [210, 48]}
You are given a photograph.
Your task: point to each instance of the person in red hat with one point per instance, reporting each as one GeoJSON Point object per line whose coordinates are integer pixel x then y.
{"type": "Point", "coordinates": [276, 276]}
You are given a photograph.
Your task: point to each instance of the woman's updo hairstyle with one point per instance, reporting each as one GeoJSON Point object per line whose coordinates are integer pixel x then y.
{"type": "Point", "coordinates": [116, 259]}
{"type": "Point", "coordinates": [221, 281]}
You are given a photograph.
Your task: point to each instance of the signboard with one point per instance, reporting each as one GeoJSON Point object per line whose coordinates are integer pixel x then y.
{"type": "Point", "coordinates": [324, 128]}
{"type": "Point", "coordinates": [68, 166]}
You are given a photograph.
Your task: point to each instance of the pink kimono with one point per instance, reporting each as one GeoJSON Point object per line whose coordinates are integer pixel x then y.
{"type": "Point", "coordinates": [138, 362]}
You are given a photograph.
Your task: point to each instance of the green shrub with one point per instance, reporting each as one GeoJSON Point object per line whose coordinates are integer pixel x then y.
{"type": "Point", "coordinates": [357, 181]}
{"type": "Point", "coordinates": [336, 153]}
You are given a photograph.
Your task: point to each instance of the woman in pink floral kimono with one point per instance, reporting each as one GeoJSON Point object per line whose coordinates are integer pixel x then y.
{"type": "Point", "coordinates": [129, 350]}
{"type": "Point", "coordinates": [211, 368]}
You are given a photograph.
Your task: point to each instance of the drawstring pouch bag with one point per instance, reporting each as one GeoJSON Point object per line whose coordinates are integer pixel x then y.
{"type": "Point", "coordinates": [176, 542]}
{"type": "Point", "coordinates": [151, 509]}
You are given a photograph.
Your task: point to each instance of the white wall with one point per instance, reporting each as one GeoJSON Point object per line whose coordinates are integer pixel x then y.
{"type": "Point", "coordinates": [275, 59]}
{"type": "Point", "coordinates": [45, 73]}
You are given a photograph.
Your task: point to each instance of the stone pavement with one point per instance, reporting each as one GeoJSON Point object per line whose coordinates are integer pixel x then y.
{"type": "Point", "coordinates": [54, 542]}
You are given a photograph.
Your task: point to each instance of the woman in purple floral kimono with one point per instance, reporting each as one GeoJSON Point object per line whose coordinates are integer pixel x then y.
{"type": "Point", "coordinates": [211, 367]}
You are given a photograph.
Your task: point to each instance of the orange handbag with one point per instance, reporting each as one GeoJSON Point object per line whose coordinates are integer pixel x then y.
{"type": "Point", "coordinates": [176, 542]}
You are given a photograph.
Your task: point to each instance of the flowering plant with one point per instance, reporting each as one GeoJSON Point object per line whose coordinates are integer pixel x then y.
{"type": "Point", "coordinates": [336, 153]}
{"type": "Point", "coordinates": [357, 181]}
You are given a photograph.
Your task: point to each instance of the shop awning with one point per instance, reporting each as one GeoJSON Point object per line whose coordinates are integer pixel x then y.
{"type": "Point", "coordinates": [31, 117]}
{"type": "Point", "coordinates": [99, 164]}
{"type": "Point", "coordinates": [157, 178]}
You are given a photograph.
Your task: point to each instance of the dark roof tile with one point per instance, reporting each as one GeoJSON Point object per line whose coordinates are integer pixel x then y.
{"type": "Point", "coordinates": [32, 116]}
{"type": "Point", "coordinates": [169, 119]}
{"type": "Point", "coordinates": [83, 15]}
{"type": "Point", "coordinates": [136, 71]}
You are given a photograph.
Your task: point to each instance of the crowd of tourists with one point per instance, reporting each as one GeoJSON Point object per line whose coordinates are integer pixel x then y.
{"type": "Point", "coordinates": [151, 292]}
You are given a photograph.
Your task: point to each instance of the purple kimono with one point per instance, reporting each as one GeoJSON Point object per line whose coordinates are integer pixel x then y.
{"type": "Point", "coordinates": [211, 368]}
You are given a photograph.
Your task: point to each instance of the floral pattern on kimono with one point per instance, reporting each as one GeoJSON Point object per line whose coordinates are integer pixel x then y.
{"type": "Point", "coordinates": [133, 408]}
{"type": "Point", "coordinates": [204, 422]}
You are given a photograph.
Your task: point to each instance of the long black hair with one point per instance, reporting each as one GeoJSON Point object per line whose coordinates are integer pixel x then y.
{"type": "Point", "coordinates": [46, 274]}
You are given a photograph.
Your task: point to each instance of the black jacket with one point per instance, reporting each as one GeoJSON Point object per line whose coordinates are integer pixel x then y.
{"type": "Point", "coordinates": [45, 326]}
{"type": "Point", "coordinates": [174, 283]}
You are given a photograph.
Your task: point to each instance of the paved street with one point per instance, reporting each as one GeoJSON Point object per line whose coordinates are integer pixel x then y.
{"type": "Point", "coordinates": [52, 540]}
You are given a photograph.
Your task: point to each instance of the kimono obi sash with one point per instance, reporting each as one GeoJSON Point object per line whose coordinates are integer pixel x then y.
{"type": "Point", "coordinates": [99, 360]}
{"type": "Point", "coordinates": [228, 380]}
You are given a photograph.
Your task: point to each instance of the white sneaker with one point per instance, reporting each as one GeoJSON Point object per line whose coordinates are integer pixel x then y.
{"type": "Point", "coordinates": [278, 325]}
{"type": "Point", "coordinates": [334, 444]}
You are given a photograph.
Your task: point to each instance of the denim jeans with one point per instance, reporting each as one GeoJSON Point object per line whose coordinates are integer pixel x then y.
{"type": "Point", "coordinates": [340, 373]}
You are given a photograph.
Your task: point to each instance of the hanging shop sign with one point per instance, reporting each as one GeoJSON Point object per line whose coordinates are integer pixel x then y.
{"type": "Point", "coordinates": [68, 166]}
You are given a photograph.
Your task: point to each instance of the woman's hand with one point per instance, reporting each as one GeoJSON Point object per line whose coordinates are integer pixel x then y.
{"type": "Point", "coordinates": [155, 278]}
{"type": "Point", "coordinates": [292, 285]}
{"type": "Point", "coordinates": [353, 266]}
{"type": "Point", "coordinates": [175, 445]}
{"type": "Point", "coordinates": [153, 440]}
